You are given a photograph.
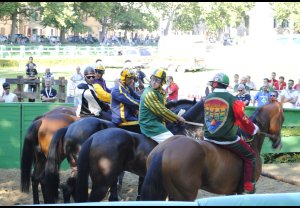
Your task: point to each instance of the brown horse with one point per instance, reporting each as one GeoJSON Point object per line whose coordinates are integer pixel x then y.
{"type": "Point", "coordinates": [180, 166]}
{"type": "Point", "coordinates": [36, 143]}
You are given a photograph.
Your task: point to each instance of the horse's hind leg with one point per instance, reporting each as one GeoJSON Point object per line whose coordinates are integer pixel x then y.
{"type": "Point", "coordinates": [98, 192]}
{"type": "Point", "coordinates": [35, 189]}
{"type": "Point", "coordinates": [141, 180]}
{"type": "Point", "coordinates": [113, 192]}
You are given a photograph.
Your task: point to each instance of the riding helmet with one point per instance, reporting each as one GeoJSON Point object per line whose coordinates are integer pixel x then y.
{"type": "Point", "coordinates": [89, 70]}
{"type": "Point", "coordinates": [127, 72]}
{"type": "Point", "coordinates": [220, 78]}
{"type": "Point", "coordinates": [160, 73]}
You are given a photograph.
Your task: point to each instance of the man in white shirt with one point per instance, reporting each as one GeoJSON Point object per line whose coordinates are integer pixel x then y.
{"type": "Point", "coordinates": [8, 97]}
{"type": "Point", "coordinates": [289, 96]}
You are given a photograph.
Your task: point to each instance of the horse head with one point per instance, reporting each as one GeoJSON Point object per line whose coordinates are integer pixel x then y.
{"type": "Point", "coordinates": [270, 118]}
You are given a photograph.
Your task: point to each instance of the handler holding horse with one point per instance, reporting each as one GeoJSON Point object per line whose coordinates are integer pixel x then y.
{"type": "Point", "coordinates": [222, 112]}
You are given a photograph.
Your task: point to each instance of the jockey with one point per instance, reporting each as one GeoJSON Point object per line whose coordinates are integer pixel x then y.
{"type": "Point", "coordinates": [125, 102]}
{"type": "Point", "coordinates": [103, 92]}
{"type": "Point", "coordinates": [223, 114]}
{"type": "Point", "coordinates": [153, 113]}
{"type": "Point", "coordinates": [88, 103]}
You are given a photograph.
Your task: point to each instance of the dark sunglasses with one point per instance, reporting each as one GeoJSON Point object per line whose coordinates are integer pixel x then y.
{"type": "Point", "coordinates": [240, 90]}
{"type": "Point", "coordinates": [99, 71]}
{"type": "Point", "coordinates": [7, 88]}
{"type": "Point", "coordinates": [273, 95]}
{"type": "Point", "coordinates": [89, 77]}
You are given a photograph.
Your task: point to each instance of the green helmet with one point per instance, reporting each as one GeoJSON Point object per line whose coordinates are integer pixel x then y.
{"type": "Point", "coordinates": [221, 78]}
{"type": "Point", "coordinates": [160, 73]}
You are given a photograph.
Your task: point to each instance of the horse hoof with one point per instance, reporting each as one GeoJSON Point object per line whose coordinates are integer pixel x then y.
{"type": "Point", "coordinates": [113, 198]}
{"type": "Point", "coordinates": [138, 198]}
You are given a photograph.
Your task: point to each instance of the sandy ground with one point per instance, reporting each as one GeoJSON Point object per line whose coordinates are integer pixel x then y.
{"type": "Point", "coordinates": [10, 193]}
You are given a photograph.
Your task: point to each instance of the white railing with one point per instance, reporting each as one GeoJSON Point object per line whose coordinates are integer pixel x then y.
{"type": "Point", "coordinates": [20, 52]}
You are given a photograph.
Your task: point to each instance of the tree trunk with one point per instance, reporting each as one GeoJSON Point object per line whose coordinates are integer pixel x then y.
{"type": "Point", "coordinates": [13, 25]}
{"type": "Point", "coordinates": [103, 32]}
{"type": "Point", "coordinates": [62, 35]}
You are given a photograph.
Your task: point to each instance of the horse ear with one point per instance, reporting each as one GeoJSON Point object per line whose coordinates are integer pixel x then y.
{"type": "Point", "coordinates": [206, 91]}
{"type": "Point", "coordinates": [194, 101]}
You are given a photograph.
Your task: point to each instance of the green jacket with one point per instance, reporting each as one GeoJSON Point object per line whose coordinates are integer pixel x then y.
{"type": "Point", "coordinates": [219, 117]}
{"type": "Point", "coordinates": [153, 114]}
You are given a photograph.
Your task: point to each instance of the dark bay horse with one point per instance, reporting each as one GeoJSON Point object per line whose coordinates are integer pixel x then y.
{"type": "Point", "coordinates": [203, 165]}
{"type": "Point", "coordinates": [118, 145]}
{"type": "Point", "coordinates": [105, 155]}
{"type": "Point", "coordinates": [36, 142]}
{"type": "Point", "coordinates": [66, 143]}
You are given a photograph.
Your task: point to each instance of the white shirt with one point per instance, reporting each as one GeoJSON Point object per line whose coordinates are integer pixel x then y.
{"type": "Point", "coordinates": [9, 98]}
{"type": "Point", "coordinates": [90, 100]}
{"type": "Point", "coordinates": [289, 94]}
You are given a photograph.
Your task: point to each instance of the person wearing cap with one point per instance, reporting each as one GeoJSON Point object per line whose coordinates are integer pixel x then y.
{"type": "Point", "coordinates": [125, 102]}
{"type": "Point", "coordinates": [224, 113]}
{"type": "Point", "coordinates": [243, 95]}
{"type": "Point", "coordinates": [153, 113]}
{"type": "Point", "coordinates": [8, 96]}
{"type": "Point", "coordinates": [103, 92]}
{"type": "Point", "coordinates": [31, 74]}
{"type": "Point", "coordinates": [88, 102]}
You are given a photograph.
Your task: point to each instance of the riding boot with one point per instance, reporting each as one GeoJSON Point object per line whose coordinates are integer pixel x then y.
{"type": "Point", "coordinates": [249, 188]}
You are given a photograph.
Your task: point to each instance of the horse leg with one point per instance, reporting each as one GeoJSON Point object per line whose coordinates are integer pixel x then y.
{"type": "Point", "coordinates": [113, 192]}
{"type": "Point", "coordinates": [68, 189]}
{"type": "Point", "coordinates": [98, 192]}
{"type": "Point", "coordinates": [141, 180]}
{"type": "Point", "coordinates": [35, 189]}
{"type": "Point", "coordinates": [120, 180]}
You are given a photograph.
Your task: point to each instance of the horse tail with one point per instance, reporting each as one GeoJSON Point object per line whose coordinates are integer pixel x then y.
{"type": "Point", "coordinates": [81, 194]}
{"type": "Point", "coordinates": [152, 188]}
{"type": "Point", "coordinates": [52, 166]}
{"type": "Point", "coordinates": [30, 139]}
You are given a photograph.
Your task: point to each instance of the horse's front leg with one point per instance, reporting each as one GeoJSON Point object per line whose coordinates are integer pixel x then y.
{"type": "Point", "coordinates": [141, 180]}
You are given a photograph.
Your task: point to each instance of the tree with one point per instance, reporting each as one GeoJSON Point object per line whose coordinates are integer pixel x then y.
{"type": "Point", "coordinates": [62, 15]}
{"type": "Point", "coordinates": [16, 11]}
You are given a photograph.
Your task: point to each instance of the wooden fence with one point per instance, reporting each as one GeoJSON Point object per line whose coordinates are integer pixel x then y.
{"type": "Point", "coordinates": [20, 81]}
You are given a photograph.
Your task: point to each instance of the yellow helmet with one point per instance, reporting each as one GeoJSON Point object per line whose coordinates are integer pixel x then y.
{"type": "Point", "coordinates": [126, 72]}
{"type": "Point", "coordinates": [99, 68]}
{"type": "Point", "coordinates": [160, 73]}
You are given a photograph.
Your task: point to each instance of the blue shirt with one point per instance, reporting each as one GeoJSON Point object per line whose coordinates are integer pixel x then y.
{"type": "Point", "coordinates": [262, 98]}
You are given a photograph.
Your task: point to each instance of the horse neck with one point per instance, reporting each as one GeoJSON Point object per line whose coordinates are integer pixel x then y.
{"type": "Point", "coordinates": [195, 113]}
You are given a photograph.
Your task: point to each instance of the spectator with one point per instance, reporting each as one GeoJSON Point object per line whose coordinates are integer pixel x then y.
{"type": "Point", "coordinates": [262, 97]}
{"type": "Point", "coordinates": [273, 81]}
{"type": "Point", "coordinates": [48, 75]}
{"type": "Point", "coordinates": [273, 96]}
{"type": "Point", "coordinates": [281, 85]}
{"type": "Point", "coordinates": [289, 96]}
{"type": "Point", "coordinates": [31, 74]}
{"type": "Point", "coordinates": [243, 81]}
{"type": "Point", "coordinates": [297, 86]}
{"type": "Point", "coordinates": [243, 95]}
{"type": "Point", "coordinates": [125, 103]}
{"type": "Point", "coordinates": [30, 61]}
{"type": "Point", "coordinates": [266, 82]}
{"type": "Point", "coordinates": [172, 89]}
{"type": "Point", "coordinates": [48, 94]}
{"type": "Point", "coordinates": [8, 96]}
{"type": "Point", "coordinates": [235, 83]}
{"type": "Point", "coordinates": [103, 92]}
{"type": "Point", "coordinates": [249, 83]}
{"type": "Point", "coordinates": [76, 79]}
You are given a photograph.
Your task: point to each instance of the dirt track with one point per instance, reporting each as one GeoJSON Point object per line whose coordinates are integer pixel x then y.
{"type": "Point", "coordinates": [10, 193]}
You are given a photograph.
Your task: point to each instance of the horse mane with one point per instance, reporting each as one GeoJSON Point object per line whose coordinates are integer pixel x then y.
{"type": "Point", "coordinates": [172, 104]}
{"type": "Point", "coordinates": [190, 114]}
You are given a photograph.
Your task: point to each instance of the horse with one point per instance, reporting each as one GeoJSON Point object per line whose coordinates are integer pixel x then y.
{"type": "Point", "coordinates": [66, 143]}
{"type": "Point", "coordinates": [36, 143]}
{"type": "Point", "coordinates": [205, 165]}
{"type": "Point", "coordinates": [105, 155]}
{"type": "Point", "coordinates": [117, 147]}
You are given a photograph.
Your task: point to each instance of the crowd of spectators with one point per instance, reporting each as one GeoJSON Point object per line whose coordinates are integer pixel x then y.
{"type": "Point", "coordinates": [288, 93]}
